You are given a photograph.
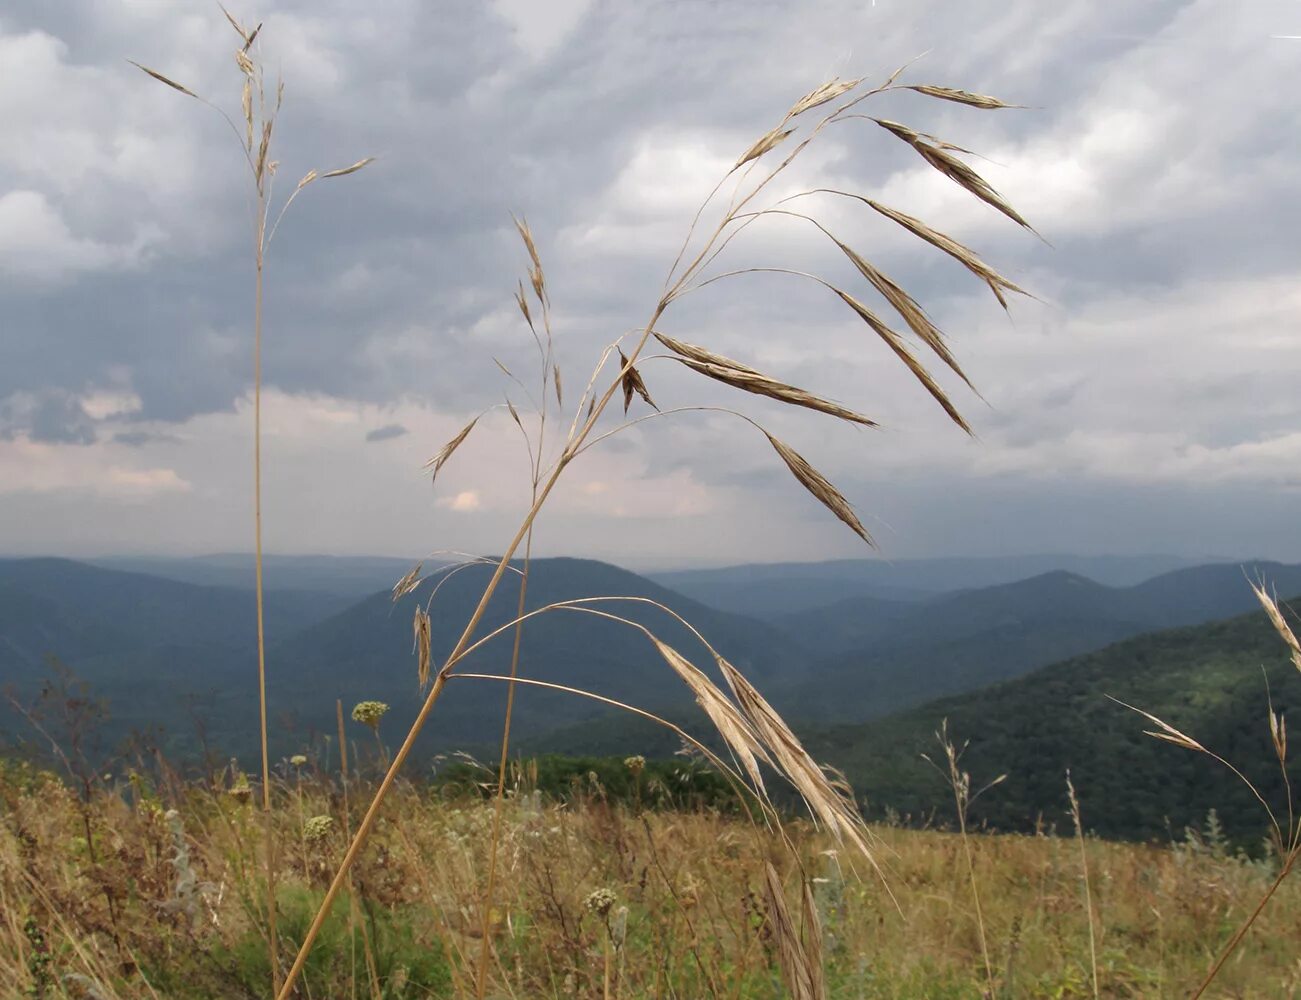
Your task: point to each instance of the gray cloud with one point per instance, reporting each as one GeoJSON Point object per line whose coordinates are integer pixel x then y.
{"type": "Point", "coordinates": [1164, 359]}
{"type": "Point", "coordinates": [52, 415]}
{"type": "Point", "coordinates": [386, 433]}
{"type": "Point", "coordinates": [138, 439]}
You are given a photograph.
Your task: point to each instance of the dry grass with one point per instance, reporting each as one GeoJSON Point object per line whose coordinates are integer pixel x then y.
{"type": "Point", "coordinates": [710, 906]}
{"type": "Point", "coordinates": [1285, 832]}
{"type": "Point", "coordinates": [749, 727]}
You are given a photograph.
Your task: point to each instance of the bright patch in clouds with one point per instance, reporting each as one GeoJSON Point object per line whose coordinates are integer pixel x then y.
{"type": "Point", "coordinates": [463, 502]}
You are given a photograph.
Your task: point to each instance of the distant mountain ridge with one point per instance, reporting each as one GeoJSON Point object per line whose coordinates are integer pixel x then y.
{"type": "Point", "coordinates": [347, 576]}
{"type": "Point", "coordinates": [879, 657]}
{"type": "Point", "coordinates": [785, 588]}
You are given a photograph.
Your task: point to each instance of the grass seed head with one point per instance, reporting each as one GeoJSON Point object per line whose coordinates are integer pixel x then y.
{"type": "Point", "coordinates": [632, 384]}
{"type": "Point", "coordinates": [743, 377]}
{"type": "Point", "coordinates": [763, 144]}
{"type": "Point", "coordinates": [820, 487]}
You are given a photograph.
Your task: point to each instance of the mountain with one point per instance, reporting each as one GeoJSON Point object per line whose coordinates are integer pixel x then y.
{"type": "Point", "coordinates": [782, 588]}
{"type": "Point", "coordinates": [366, 652]}
{"type": "Point", "coordinates": [176, 654]}
{"type": "Point", "coordinates": [146, 643]}
{"type": "Point", "coordinates": [346, 576]}
{"type": "Point", "coordinates": [1205, 680]}
{"type": "Point", "coordinates": [72, 610]}
{"type": "Point", "coordinates": [878, 657]}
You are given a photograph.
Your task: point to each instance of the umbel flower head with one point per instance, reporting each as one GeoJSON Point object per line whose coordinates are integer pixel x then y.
{"type": "Point", "coordinates": [636, 764]}
{"type": "Point", "coordinates": [368, 713]}
{"type": "Point", "coordinates": [317, 830]}
{"type": "Point", "coordinates": [298, 760]}
{"type": "Point", "coordinates": [240, 790]}
{"type": "Point", "coordinates": [600, 900]}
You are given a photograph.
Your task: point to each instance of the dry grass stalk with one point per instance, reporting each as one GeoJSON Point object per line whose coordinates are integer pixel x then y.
{"type": "Point", "coordinates": [408, 583]}
{"type": "Point", "coordinates": [1284, 630]}
{"type": "Point", "coordinates": [1166, 732]}
{"type": "Point", "coordinates": [821, 488]}
{"type": "Point", "coordinates": [445, 452]}
{"type": "Point", "coordinates": [838, 814]}
{"type": "Point", "coordinates": [906, 306]}
{"type": "Point", "coordinates": [1084, 869]}
{"type": "Point", "coordinates": [740, 376]}
{"type": "Point", "coordinates": [799, 957]}
{"type": "Point", "coordinates": [896, 344]}
{"type": "Point", "coordinates": [983, 101]}
{"type": "Point", "coordinates": [938, 156]}
{"type": "Point", "coordinates": [811, 927]}
{"type": "Point", "coordinates": [352, 169]}
{"type": "Point", "coordinates": [819, 96]}
{"type": "Point", "coordinates": [736, 732]}
{"type": "Point", "coordinates": [1288, 843]}
{"type": "Point", "coordinates": [960, 782]}
{"type": "Point", "coordinates": [964, 255]}
{"type": "Point", "coordinates": [836, 811]}
{"type": "Point", "coordinates": [162, 79]}
{"type": "Point", "coordinates": [765, 142]}
{"type": "Point", "coordinates": [421, 627]}
{"type": "Point", "coordinates": [632, 384]}
{"type": "Point", "coordinates": [259, 118]}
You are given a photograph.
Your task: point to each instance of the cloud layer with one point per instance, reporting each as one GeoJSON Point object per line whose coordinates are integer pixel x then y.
{"type": "Point", "coordinates": [1145, 401]}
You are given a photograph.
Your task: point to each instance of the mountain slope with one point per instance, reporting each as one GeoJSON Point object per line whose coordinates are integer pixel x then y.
{"type": "Point", "coordinates": [366, 652]}
{"type": "Point", "coordinates": [71, 609]}
{"type": "Point", "coordinates": [877, 658]}
{"type": "Point", "coordinates": [1205, 680]}
{"type": "Point", "coordinates": [169, 653]}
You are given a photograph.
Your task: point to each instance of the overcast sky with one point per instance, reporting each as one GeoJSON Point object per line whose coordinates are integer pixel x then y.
{"type": "Point", "coordinates": [1149, 401]}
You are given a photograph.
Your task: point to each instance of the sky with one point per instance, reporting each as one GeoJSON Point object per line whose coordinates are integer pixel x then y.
{"type": "Point", "coordinates": [1144, 400]}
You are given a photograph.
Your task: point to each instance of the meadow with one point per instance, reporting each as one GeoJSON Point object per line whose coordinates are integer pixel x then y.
{"type": "Point", "coordinates": [153, 889]}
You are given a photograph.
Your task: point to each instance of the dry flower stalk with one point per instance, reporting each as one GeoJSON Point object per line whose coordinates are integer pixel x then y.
{"type": "Point", "coordinates": [752, 730]}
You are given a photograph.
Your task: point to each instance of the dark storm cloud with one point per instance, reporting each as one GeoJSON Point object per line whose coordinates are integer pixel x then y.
{"type": "Point", "coordinates": [1169, 204]}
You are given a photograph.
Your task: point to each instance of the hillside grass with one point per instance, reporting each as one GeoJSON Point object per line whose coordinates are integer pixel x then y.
{"type": "Point", "coordinates": [153, 891]}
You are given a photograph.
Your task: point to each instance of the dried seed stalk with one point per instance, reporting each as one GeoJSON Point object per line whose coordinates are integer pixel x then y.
{"type": "Point", "coordinates": [743, 377]}
{"type": "Point", "coordinates": [632, 384]}
{"type": "Point", "coordinates": [422, 628]}
{"type": "Point", "coordinates": [821, 488]}
{"type": "Point", "coordinates": [983, 101]}
{"type": "Point", "coordinates": [959, 252]}
{"type": "Point", "coordinates": [736, 732]}
{"type": "Point", "coordinates": [445, 452]}
{"type": "Point", "coordinates": [938, 156]}
{"type": "Point", "coordinates": [801, 969]}
{"type": "Point", "coordinates": [896, 344]}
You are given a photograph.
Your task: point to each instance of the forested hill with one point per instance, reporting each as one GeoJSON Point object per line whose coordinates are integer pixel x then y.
{"type": "Point", "coordinates": [1208, 681]}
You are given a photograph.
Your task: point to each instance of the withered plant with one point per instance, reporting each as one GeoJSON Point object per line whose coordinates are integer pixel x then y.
{"type": "Point", "coordinates": [254, 129]}
{"type": "Point", "coordinates": [558, 432]}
